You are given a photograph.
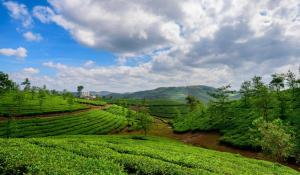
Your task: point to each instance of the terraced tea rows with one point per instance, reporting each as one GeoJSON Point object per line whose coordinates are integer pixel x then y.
{"type": "Point", "coordinates": [31, 105]}
{"type": "Point", "coordinates": [124, 155]}
{"type": "Point", "coordinates": [91, 102]}
{"type": "Point", "coordinates": [91, 122]}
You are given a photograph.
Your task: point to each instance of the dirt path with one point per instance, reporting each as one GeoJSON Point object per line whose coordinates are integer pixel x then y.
{"type": "Point", "coordinates": [201, 139]}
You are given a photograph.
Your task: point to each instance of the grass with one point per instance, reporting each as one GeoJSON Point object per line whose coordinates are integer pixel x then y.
{"type": "Point", "coordinates": [123, 155]}
{"type": "Point", "coordinates": [30, 105]}
{"type": "Point", "coordinates": [90, 122]}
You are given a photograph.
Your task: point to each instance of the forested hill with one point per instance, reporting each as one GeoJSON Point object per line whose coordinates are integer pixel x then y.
{"type": "Point", "coordinates": [171, 93]}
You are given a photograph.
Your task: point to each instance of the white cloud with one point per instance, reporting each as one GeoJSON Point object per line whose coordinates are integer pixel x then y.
{"type": "Point", "coordinates": [31, 70]}
{"type": "Point", "coordinates": [207, 42]}
{"type": "Point", "coordinates": [44, 14]}
{"type": "Point", "coordinates": [29, 36]}
{"type": "Point", "coordinates": [89, 63]}
{"type": "Point", "coordinates": [19, 11]}
{"type": "Point", "coordinates": [20, 52]}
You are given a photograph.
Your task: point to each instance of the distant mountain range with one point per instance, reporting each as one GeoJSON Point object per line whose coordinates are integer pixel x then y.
{"type": "Point", "coordinates": [169, 93]}
{"type": "Point", "coordinates": [101, 93]}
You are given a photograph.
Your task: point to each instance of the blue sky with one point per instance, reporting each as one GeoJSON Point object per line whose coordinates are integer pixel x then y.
{"type": "Point", "coordinates": [127, 46]}
{"type": "Point", "coordinates": [57, 45]}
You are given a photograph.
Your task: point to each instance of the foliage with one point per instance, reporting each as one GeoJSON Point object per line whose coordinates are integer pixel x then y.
{"type": "Point", "coordinates": [26, 83]}
{"type": "Point", "coordinates": [79, 90]}
{"type": "Point", "coordinates": [234, 118]}
{"type": "Point", "coordinates": [5, 83]}
{"type": "Point", "coordinates": [276, 138]}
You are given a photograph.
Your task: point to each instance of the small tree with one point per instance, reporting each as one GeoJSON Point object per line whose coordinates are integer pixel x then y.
{"type": "Point", "coordinates": [5, 83]}
{"type": "Point", "coordinates": [79, 90]}
{"type": "Point", "coordinates": [26, 83]}
{"type": "Point", "coordinates": [144, 120]}
{"type": "Point", "coordinates": [276, 138]}
{"type": "Point", "coordinates": [193, 103]}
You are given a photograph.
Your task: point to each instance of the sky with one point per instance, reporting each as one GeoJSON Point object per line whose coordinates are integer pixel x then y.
{"type": "Point", "coordinates": [126, 46]}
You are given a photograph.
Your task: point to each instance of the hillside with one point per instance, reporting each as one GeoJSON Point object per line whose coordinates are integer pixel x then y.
{"type": "Point", "coordinates": [169, 93]}
{"type": "Point", "coordinates": [27, 103]}
{"type": "Point", "coordinates": [123, 155]}
{"type": "Point", "coordinates": [90, 122]}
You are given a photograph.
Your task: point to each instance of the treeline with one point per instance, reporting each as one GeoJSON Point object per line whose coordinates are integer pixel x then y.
{"type": "Point", "coordinates": [266, 117]}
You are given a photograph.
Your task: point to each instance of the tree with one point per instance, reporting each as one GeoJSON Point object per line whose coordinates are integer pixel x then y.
{"type": "Point", "coordinates": [262, 96]}
{"type": "Point", "coordinates": [246, 92]}
{"type": "Point", "coordinates": [276, 138]}
{"type": "Point", "coordinates": [144, 120]}
{"type": "Point", "coordinates": [79, 90]}
{"type": "Point", "coordinates": [277, 83]}
{"type": "Point", "coordinates": [291, 82]}
{"type": "Point", "coordinates": [26, 83]}
{"type": "Point", "coordinates": [220, 101]}
{"type": "Point", "coordinates": [193, 103]}
{"type": "Point", "coordinates": [5, 83]}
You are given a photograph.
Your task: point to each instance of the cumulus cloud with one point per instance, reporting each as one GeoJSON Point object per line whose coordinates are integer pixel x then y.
{"type": "Point", "coordinates": [31, 70]}
{"type": "Point", "coordinates": [20, 52]}
{"type": "Point", "coordinates": [29, 36]}
{"type": "Point", "coordinates": [19, 11]}
{"type": "Point", "coordinates": [44, 14]}
{"type": "Point", "coordinates": [208, 42]}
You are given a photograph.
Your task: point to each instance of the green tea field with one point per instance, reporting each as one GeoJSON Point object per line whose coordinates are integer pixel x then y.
{"type": "Point", "coordinates": [124, 155]}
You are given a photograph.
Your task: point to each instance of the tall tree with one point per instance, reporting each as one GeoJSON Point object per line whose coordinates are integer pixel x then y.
{"type": "Point", "coordinates": [79, 90]}
{"type": "Point", "coordinates": [262, 96]}
{"type": "Point", "coordinates": [246, 92]}
{"type": "Point", "coordinates": [291, 82]}
{"type": "Point", "coordinates": [277, 83]}
{"type": "Point", "coordinates": [221, 101]}
{"type": "Point", "coordinates": [26, 83]}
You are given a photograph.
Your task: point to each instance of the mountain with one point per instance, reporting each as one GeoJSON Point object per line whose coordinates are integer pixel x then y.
{"type": "Point", "coordinates": [170, 93]}
{"type": "Point", "coordinates": [101, 93]}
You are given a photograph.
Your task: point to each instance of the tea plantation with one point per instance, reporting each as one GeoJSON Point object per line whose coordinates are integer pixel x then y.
{"type": "Point", "coordinates": [123, 155]}
{"type": "Point", "coordinates": [30, 104]}
{"type": "Point", "coordinates": [90, 122]}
